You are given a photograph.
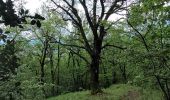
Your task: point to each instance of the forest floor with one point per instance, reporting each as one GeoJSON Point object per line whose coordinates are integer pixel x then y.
{"type": "Point", "coordinates": [115, 92]}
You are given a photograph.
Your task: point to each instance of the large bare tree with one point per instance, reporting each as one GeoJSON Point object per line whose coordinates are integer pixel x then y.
{"type": "Point", "coordinates": [96, 13]}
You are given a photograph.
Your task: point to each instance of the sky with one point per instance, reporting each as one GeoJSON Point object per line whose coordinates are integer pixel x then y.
{"type": "Point", "coordinates": [33, 5]}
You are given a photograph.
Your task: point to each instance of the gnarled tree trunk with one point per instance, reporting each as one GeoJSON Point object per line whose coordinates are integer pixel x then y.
{"type": "Point", "coordinates": [94, 67]}
{"type": "Point", "coordinates": [94, 71]}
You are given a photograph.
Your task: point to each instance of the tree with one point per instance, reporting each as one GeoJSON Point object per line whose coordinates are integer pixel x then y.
{"type": "Point", "coordinates": [150, 25]}
{"type": "Point", "coordinates": [96, 18]}
{"type": "Point", "coordinates": [9, 17]}
{"type": "Point", "coordinates": [8, 60]}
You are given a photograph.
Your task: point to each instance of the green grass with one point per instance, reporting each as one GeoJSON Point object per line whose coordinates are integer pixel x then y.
{"type": "Point", "coordinates": [115, 92]}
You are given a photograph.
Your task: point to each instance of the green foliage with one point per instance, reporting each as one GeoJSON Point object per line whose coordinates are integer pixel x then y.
{"type": "Point", "coordinates": [9, 17]}
{"type": "Point", "coordinates": [8, 60]}
{"type": "Point", "coordinates": [29, 84]}
{"type": "Point", "coordinates": [144, 62]}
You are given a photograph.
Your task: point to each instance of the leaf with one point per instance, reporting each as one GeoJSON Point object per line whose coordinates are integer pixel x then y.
{"type": "Point", "coordinates": [23, 20]}
{"type": "Point", "coordinates": [20, 26]}
{"type": "Point", "coordinates": [33, 22]}
{"type": "Point", "coordinates": [6, 32]}
{"type": "Point", "coordinates": [37, 16]}
{"type": "Point", "coordinates": [27, 11]}
{"type": "Point", "coordinates": [38, 24]}
{"type": "Point", "coordinates": [22, 11]}
{"type": "Point", "coordinates": [8, 41]}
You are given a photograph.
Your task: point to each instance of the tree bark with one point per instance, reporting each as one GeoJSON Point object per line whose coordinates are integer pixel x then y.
{"type": "Point", "coordinates": [94, 70]}
{"type": "Point", "coordinates": [94, 67]}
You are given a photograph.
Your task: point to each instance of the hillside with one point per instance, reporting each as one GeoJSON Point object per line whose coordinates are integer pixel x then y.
{"type": "Point", "coordinates": [69, 49]}
{"type": "Point", "coordinates": [115, 92]}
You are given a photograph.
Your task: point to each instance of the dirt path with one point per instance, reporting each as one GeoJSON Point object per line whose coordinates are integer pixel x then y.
{"type": "Point", "coordinates": [131, 95]}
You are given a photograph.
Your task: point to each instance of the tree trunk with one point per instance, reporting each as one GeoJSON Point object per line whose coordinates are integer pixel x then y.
{"type": "Point", "coordinates": [94, 70]}
{"type": "Point", "coordinates": [73, 73]}
{"type": "Point", "coordinates": [123, 72]}
{"type": "Point", "coordinates": [52, 72]}
{"type": "Point", "coordinates": [94, 66]}
{"type": "Point", "coordinates": [114, 80]}
{"type": "Point", "coordinates": [42, 64]}
{"type": "Point", "coordinates": [58, 68]}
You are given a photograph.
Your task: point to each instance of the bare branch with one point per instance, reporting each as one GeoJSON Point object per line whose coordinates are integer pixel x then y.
{"type": "Point", "coordinates": [94, 11]}
{"type": "Point", "coordinates": [114, 8]}
{"type": "Point", "coordinates": [66, 11]}
{"type": "Point", "coordinates": [70, 45]}
{"type": "Point", "coordinates": [103, 10]}
{"type": "Point", "coordinates": [77, 22]}
{"type": "Point", "coordinates": [82, 57]}
{"type": "Point", "coordinates": [140, 35]}
{"type": "Point", "coordinates": [88, 16]}
{"type": "Point", "coordinates": [113, 23]}
{"type": "Point", "coordinates": [109, 45]}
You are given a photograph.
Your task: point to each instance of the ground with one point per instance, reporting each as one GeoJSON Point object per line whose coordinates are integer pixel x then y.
{"type": "Point", "coordinates": [115, 92]}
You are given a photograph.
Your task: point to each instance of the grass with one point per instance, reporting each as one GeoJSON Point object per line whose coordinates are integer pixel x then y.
{"type": "Point", "coordinates": [115, 92]}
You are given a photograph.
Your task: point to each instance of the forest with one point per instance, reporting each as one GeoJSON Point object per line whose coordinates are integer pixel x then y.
{"type": "Point", "coordinates": [85, 50]}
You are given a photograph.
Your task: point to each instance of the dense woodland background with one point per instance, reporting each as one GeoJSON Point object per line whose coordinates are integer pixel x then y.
{"type": "Point", "coordinates": [78, 45]}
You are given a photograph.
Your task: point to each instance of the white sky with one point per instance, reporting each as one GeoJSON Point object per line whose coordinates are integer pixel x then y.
{"type": "Point", "coordinates": [33, 5]}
